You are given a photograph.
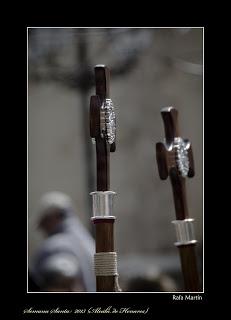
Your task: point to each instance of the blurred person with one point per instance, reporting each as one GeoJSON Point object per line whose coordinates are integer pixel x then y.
{"type": "Point", "coordinates": [61, 273]}
{"type": "Point", "coordinates": [64, 260]}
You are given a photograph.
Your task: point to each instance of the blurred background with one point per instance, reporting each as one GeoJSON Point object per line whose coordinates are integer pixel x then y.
{"type": "Point", "coordinates": [150, 68]}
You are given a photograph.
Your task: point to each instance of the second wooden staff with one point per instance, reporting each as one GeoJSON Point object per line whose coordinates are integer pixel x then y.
{"type": "Point", "coordinates": [175, 159]}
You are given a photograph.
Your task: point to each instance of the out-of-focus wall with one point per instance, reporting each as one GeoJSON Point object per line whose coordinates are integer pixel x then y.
{"type": "Point", "coordinates": [168, 72]}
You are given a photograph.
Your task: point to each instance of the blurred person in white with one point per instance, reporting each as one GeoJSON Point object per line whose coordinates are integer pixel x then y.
{"type": "Point", "coordinates": [64, 260]}
{"type": "Point", "coordinates": [61, 273]}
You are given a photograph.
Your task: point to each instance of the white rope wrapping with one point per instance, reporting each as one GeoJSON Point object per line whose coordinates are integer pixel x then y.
{"type": "Point", "coordinates": [105, 264]}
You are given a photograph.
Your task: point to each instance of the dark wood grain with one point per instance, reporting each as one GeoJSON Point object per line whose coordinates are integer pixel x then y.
{"type": "Point", "coordinates": [179, 194]}
{"type": "Point", "coordinates": [162, 160]}
{"type": "Point", "coordinates": [102, 81]}
{"type": "Point", "coordinates": [191, 172]}
{"type": "Point", "coordinates": [189, 268]}
{"type": "Point", "coordinates": [171, 126]}
{"type": "Point", "coordinates": [104, 227]}
{"type": "Point", "coordinates": [105, 243]}
{"type": "Point", "coordinates": [103, 165]}
{"type": "Point", "coordinates": [94, 116]}
{"type": "Point", "coordinates": [167, 166]}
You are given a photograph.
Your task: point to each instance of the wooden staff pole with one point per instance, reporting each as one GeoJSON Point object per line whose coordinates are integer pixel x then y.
{"type": "Point", "coordinates": [104, 227]}
{"type": "Point", "coordinates": [175, 159]}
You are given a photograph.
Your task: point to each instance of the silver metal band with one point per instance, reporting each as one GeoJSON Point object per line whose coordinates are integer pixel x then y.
{"type": "Point", "coordinates": [181, 147]}
{"type": "Point", "coordinates": [182, 159]}
{"type": "Point", "coordinates": [102, 204]}
{"type": "Point", "coordinates": [184, 232]}
{"type": "Point", "coordinates": [108, 121]}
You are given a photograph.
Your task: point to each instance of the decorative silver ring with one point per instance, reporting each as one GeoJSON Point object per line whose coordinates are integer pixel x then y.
{"type": "Point", "coordinates": [102, 204]}
{"type": "Point", "coordinates": [184, 232]}
{"type": "Point", "coordinates": [108, 121]}
{"type": "Point", "coordinates": [182, 159]}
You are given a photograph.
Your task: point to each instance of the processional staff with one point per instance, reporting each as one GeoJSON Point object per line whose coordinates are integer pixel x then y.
{"type": "Point", "coordinates": [103, 134]}
{"type": "Point", "coordinates": [175, 159]}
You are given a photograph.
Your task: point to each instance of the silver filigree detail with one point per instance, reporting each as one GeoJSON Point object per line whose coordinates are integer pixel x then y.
{"type": "Point", "coordinates": [108, 121]}
{"type": "Point", "coordinates": [182, 159]}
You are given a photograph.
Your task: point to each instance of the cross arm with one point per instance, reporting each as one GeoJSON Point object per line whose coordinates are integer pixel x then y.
{"type": "Point", "coordinates": [171, 126]}
{"type": "Point", "coordinates": [175, 159]}
{"type": "Point", "coordinates": [102, 85]}
{"type": "Point", "coordinates": [175, 153]}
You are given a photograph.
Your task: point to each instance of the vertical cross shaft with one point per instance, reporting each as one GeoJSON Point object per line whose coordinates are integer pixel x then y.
{"type": "Point", "coordinates": [175, 159]}
{"type": "Point", "coordinates": [104, 227]}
